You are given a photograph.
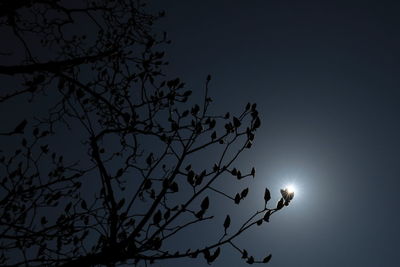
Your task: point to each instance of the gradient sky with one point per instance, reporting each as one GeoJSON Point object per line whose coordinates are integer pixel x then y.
{"type": "Point", "coordinates": [325, 77]}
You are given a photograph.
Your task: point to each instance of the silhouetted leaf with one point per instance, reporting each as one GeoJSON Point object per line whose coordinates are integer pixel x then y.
{"type": "Point", "coordinates": [187, 93]}
{"type": "Point", "coordinates": [229, 127]}
{"type": "Point", "coordinates": [174, 126]}
{"type": "Point", "coordinates": [205, 203]}
{"type": "Point", "coordinates": [206, 254]}
{"type": "Point", "coordinates": [267, 195]}
{"type": "Point", "coordinates": [45, 149]}
{"type": "Point", "coordinates": [257, 123]}
{"type": "Point", "coordinates": [149, 159]}
{"type": "Point", "coordinates": [157, 217]}
{"type": "Point", "coordinates": [20, 127]}
{"type": "Point", "coordinates": [147, 184]}
{"type": "Point", "coordinates": [195, 110]}
{"type": "Point", "coordinates": [212, 123]}
{"type": "Point", "coordinates": [267, 259]}
{"type": "Point", "coordinates": [174, 187]}
{"type": "Point", "coordinates": [236, 122]}
{"type": "Point", "coordinates": [119, 173]}
{"type": "Point", "coordinates": [43, 220]}
{"type": "Point", "coordinates": [267, 215]}
{"type": "Point", "coordinates": [250, 260]}
{"type": "Point", "coordinates": [152, 194]}
{"type": "Point", "coordinates": [157, 243]}
{"type": "Point", "coordinates": [195, 254]}
{"type": "Point", "coordinates": [199, 178]}
{"type": "Point", "coordinates": [284, 194]}
{"type": "Point", "coordinates": [213, 135]}
{"type": "Point", "coordinates": [190, 177]}
{"type": "Point", "coordinates": [215, 168]}
{"type": "Point", "coordinates": [121, 203]}
{"type": "Point", "coordinates": [45, 133]}
{"type": "Point", "coordinates": [237, 198]}
{"type": "Point", "coordinates": [244, 254]}
{"type": "Point", "coordinates": [200, 214]}
{"type": "Point", "coordinates": [185, 113]}
{"type": "Point", "coordinates": [227, 222]}
{"type": "Point", "coordinates": [249, 144]}
{"type": "Point", "coordinates": [234, 171]}
{"type": "Point", "coordinates": [253, 172]}
{"type": "Point", "coordinates": [244, 193]}
{"type": "Point", "coordinates": [166, 183]}
{"type": "Point", "coordinates": [215, 255]}
{"type": "Point", "coordinates": [280, 204]}
{"type": "Point", "coordinates": [250, 136]}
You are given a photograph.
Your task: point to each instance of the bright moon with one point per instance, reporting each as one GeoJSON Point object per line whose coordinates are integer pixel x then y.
{"type": "Point", "coordinates": [291, 188]}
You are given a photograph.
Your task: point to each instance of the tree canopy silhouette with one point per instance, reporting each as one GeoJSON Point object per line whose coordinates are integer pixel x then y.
{"type": "Point", "coordinates": [134, 181]}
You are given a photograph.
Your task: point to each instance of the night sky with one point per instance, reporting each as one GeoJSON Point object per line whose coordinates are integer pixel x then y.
{"type": "Point", "coordinates": [325, 77]}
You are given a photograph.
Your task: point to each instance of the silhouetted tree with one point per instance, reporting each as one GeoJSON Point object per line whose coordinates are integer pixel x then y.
{"type": "Point", "coordinates": [135, 180]}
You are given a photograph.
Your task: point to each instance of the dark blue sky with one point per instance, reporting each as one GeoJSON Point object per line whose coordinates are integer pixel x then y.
{"type": "Point", "coordinates": [325, 77]}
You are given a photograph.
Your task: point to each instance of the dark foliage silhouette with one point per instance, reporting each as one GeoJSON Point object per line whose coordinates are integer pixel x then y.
{"type": "Point", "coordinates": [134, 181]}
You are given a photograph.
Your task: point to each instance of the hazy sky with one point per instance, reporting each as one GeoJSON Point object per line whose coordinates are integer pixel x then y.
{"type": "Point", "coordinates": [325, 77]}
